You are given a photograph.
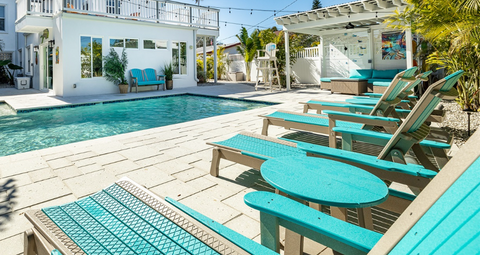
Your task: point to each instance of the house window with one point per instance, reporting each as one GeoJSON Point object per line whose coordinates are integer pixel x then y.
{"type": "Point", "coordinates": [179, 57]}
{"type": "Point", "coordinates": [148, 44]}
{"type": "Point", "coordinates": [91, 57]}
{"type": "Point", "coordinates": [131, 43]}
{"type": "Point", "coordinates": [2, 17]}
{"type": "Point", "coordinates": [161, 44]}
{"type": "Point", "coordinates": [6, 56]}
{"type": "Point", "coordinates": [155, 44]}
{"type": "Point", "coordinates": [28, 59]}
{"type": "Point", "coordinates": [117, 43]}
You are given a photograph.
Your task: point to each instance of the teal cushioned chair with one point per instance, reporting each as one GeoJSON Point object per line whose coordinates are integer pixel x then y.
{"type": "Point", "coordinates": [361, 73]}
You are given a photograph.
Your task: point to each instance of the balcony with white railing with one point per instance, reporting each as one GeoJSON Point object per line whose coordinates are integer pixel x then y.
{"type": "Point", "coordinates": [166, 12]}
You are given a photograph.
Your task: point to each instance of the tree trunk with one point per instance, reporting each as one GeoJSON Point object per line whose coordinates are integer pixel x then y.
{"type": "Point", "coordinates": [247, 70]}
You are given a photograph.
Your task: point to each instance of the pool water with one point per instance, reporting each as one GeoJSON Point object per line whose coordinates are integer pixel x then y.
{"type": "Point", "coordinates": [47, 128]}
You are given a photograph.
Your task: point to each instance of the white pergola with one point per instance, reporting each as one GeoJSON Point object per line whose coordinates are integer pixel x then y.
{"type": "Point", "coordinates": [358, 16]}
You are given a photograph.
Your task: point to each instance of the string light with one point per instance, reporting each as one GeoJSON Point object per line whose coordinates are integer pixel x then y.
{"type": "Point", "coordinates": [229, 10]}
{"type": "Point", "coordinates": [251, 11]}
{"type": "Point", "coordinates": [274, 13]}
{"type": "Point", "coordinates": [349, 14]}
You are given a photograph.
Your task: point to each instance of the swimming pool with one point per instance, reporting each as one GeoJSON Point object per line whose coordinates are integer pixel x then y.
{"type": "Point", "coordinates": [27, 131]}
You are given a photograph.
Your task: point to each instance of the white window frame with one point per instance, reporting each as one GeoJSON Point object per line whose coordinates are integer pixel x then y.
{"type": "Point", "coordinates": [186, 60]}
{"type": "Point", "coordinates": [116, 38]}
{"type": "Point", "coordinates": [91, 59]}
{"type": "Point", "coordinates": [29, 59]}
{"type": "Point", "coordinates": [125, 43]}
{"type": "Point", "coordinates": [4, 17]}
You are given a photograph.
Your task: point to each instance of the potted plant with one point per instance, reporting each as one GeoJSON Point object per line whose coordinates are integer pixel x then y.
{"type": "Point", "coordinates": [114, 68]}
{"type": "Point", "coordinates": [168, 72]}
{"type": "Point", "coordinates": [201, 76]}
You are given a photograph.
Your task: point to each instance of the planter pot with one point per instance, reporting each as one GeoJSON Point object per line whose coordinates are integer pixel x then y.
{"type": "Point", "coordinates": [169, 84]}
{"type": "Point", "coordinates": [123, 88]}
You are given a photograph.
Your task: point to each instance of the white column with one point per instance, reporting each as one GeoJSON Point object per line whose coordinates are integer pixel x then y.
{"type": "Point", "coordinates": [287, 60]}
{"type": "Point", "coordinates": [320, 58]}
{"type": "Point", "coordinates": [371, 41]}
{"type": "Point", "coordinates": [215, 59]}
{"type": "Point", "coordinates": [205, 56]}
{"type": "Point", "coordinates": [408, 41]}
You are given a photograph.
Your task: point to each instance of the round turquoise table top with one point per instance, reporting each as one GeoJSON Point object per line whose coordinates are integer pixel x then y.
{"type": "Point", "coordinates": [325, 181]}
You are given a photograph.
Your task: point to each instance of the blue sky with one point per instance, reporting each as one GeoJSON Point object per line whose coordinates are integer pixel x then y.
{"type": "Point", "coordinates": [227, 33]}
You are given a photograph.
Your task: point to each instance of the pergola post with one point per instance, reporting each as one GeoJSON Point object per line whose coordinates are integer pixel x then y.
{"type": "Point", "coordinates": [205, 55]}
{"type": "Point", "coordinates": [215, 59]}
{"type": "Point", "coordinates": [287, 59]}
{"type": "Point", "coordinates": [408, 41]}
{"type": "Point", "coordinates": [320, 57]}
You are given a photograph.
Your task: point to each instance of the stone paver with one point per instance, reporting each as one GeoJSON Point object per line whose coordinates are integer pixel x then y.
{"type": "Point", "coordinates": [171, 161]}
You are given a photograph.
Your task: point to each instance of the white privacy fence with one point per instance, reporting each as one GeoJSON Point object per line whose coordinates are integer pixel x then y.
{"type": "Point", "coordinates": [148, 10]}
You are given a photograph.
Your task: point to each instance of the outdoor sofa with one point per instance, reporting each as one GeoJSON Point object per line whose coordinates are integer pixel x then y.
{"type": "Point", "coordinates": [361, 81]}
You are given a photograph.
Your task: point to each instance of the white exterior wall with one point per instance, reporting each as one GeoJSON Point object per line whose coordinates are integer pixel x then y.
{"type": "Point", "coordinates": [68, 29]}
{"type": "Point", "coordinates": [307, 70]}
{"type": "Point", "coordinates": [11, 40]}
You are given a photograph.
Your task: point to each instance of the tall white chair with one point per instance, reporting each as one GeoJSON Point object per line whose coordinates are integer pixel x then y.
{"type": "Point", "coordinates": [267, 68]}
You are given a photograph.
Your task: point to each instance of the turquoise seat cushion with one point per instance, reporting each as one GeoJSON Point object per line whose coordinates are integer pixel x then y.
{"type": "Point", "coordinates": [371, 81]}
{"type": "Point", "coordinates": [348, 79]}
{"type": "Point", "coordinates": [361, 73]}
{"type": "Point", "coordinates": [150, 83]}
{"type": "Point", "coordinates": [329, 79]}
{"type": "Point", "coordinates": [384, 74]}
{"type": "Point", "coordinates": [381, 83]}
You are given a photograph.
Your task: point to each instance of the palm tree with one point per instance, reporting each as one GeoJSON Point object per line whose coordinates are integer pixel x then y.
{"type": "Point", "coordinates": [451, 27]}
{"type": "Point", "coordinates": [248, 47]}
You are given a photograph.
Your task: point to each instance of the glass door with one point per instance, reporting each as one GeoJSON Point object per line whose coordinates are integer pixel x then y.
{"type": "Point", "coordinates": [48, 68]}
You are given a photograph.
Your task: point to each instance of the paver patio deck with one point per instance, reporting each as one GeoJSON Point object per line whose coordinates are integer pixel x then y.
{"type": "Point", "coordinates": [170, 161]}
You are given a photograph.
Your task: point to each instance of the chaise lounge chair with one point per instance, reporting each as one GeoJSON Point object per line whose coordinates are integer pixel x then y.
{"type": "Point", "coordinates": [126, 218]}
{"type": "Point", "coordinates": [319, 123]}
{"type": "Point", "coordinates": [443, 219]}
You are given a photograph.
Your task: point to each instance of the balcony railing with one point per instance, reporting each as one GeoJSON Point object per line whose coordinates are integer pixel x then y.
{"type": "Point", "coordinates": [167, 12]}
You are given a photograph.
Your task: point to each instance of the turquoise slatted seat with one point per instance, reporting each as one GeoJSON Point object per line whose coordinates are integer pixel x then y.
{"type": "Point", "coordinates": [114, 221]}
{"type": "Point", "coordinates": [125, 218]}
{"type": "Point", "coordinates": [450, 226]}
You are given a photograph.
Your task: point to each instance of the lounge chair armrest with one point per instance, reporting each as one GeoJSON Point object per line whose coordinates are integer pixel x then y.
{"type": "Point", "coordinates": [386, 137]}
{"type": "Point", "coordinates": [368, 160]}
{"type": "Point", "coordinates": [234, 237]}
{"type": "Point", "coordinates": [373, 95]}
{"type": "Point", "coordinates": [338, 105]}
{"type": "Point", "coordinates": [339, 235]}
{"type": "Point", "coordinates": [135, 80]}
{"type": "Point", "coordinates": [160, 77]}
{"type": "Point", "coordinates": [363, 118]}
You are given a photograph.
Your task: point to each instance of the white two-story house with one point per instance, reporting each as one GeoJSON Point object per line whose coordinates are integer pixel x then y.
{"type": "Point", "coordinates": [66, 40]}
{"type": "Point", "coordinates": [12, 42]}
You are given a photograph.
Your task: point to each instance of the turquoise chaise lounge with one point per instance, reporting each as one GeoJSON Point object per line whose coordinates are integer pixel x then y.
{"type": "Point", "coordinates": [126, 218]}
{"type": "Point", "coordinates": [146, 77]}
{"type": "Point", "coordinates": [443, 219]}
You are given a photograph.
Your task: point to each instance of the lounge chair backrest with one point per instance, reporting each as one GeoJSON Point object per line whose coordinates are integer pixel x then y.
{"type": "Point", "coordinates": [414, 123]}
{"type": "Point", "coordinates": [270, 50]}
{"type": "Point", "coordinates": [137, 73]}
{"type": "Point", "coordinates": [396, 87]}
{"type": "Point", "coordinates": [150, 74]}
{"type": "Point", "coordinates": [444, 85]}
{"type": "Point", "coordinates": [444, 218]}
{"type": "Point", "coordinates": [393, 91]}
{"type": "Point", "coordinates": [421, 77]}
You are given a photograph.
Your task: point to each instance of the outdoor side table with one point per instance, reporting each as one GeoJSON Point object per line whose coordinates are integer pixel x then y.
{"type": "Point", "coordinates": [325, 182]}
